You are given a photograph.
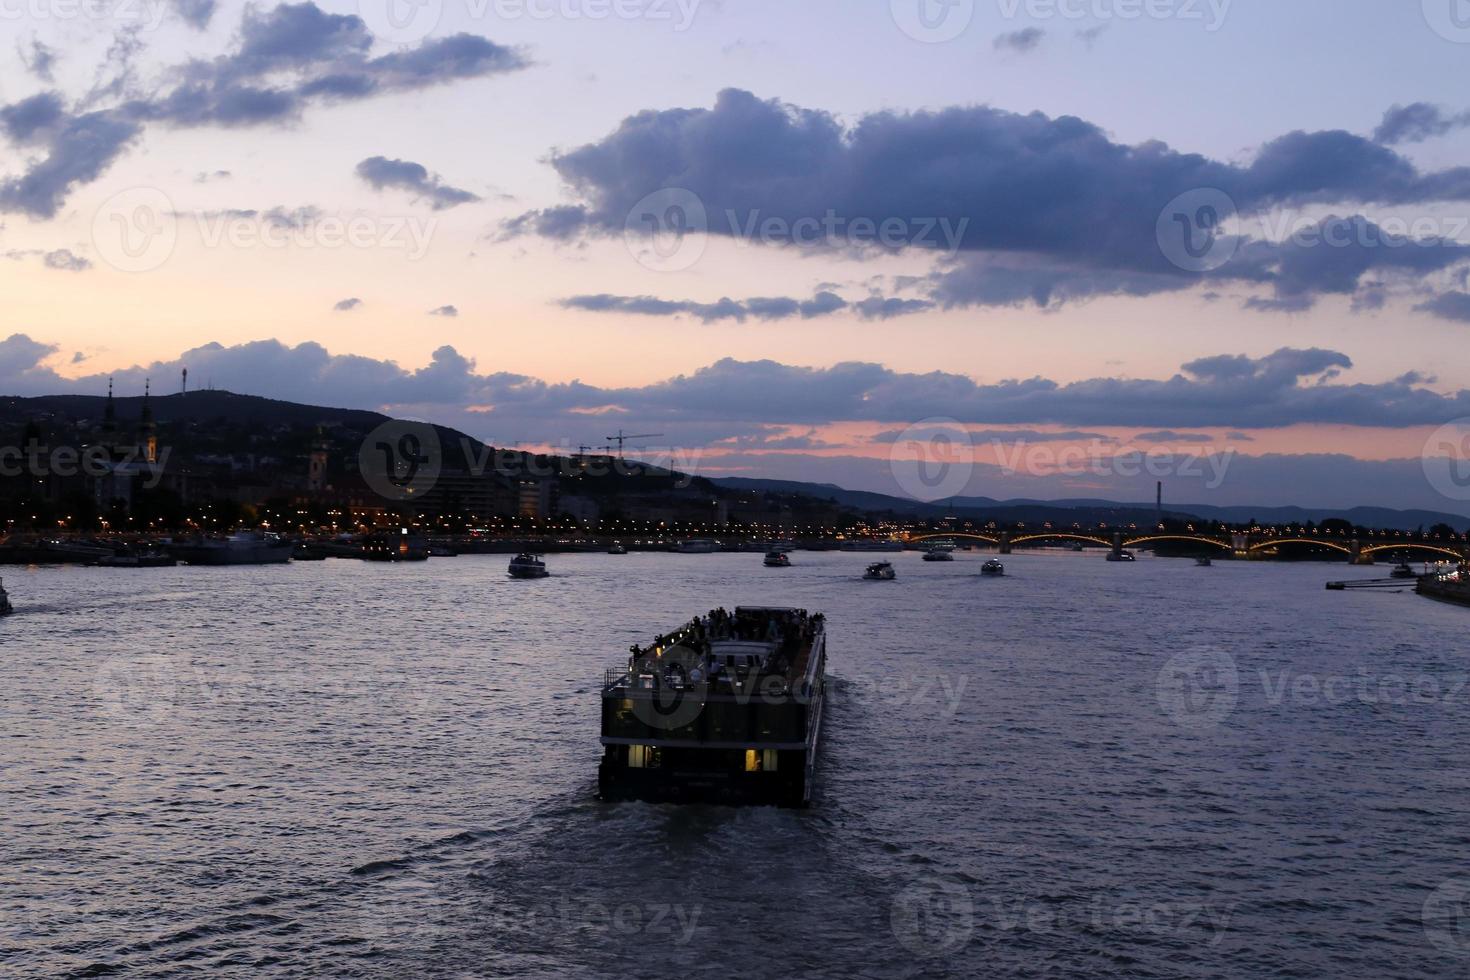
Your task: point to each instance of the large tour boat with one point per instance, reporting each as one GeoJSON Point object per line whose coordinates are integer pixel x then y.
{"type": "Point", "coordinates": [880, 571]}
{"type": "Point", "coordinates": [726, 709]}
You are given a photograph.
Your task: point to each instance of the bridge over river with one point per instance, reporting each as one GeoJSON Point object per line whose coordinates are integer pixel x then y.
{"type": "Point", "coordinates": [1233, 543]}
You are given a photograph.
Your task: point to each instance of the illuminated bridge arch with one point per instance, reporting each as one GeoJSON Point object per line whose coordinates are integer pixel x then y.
{"type": "Point", "coordinates": [1317, 542]}
{"type": "Point", "coordinates": [1187, 538]}
{"type": "Point", "coordinates": [1061, 536]}
{"type": "Point", "coordinates": [1436, 549]}
{"type": "Point", "coordinates": [953, 537]}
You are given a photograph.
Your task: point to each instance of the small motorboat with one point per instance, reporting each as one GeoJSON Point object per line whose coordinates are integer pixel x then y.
{"type": "Point", "coordinates": [1403, 570]}
{"type": "Point", "coordinates": [527, 565]}
{"type": "Point", "coordinates": [777, 559]}
{"type": "Point", "coordinates": [939, 554]}
{"type": "Point", "coordinates": [617, 548]}
{"type": "Point", "coordinates": [993, 568]}
{"type": "Point", "coordinates": [1121, 556]}
{"type": "Point", "coordinates": [5, 607]}
{"type": "Point", "coordinates": [880, 571]}
{"type": "Point", "coordinates": [1204, 561]}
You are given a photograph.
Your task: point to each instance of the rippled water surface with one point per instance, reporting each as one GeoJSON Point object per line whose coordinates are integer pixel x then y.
{"type": "Point", "coordinates": [349, 769]}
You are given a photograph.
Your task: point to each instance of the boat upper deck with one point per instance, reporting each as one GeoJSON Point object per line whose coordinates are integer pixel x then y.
{"type": "Point", "coordinates": [754, 650]}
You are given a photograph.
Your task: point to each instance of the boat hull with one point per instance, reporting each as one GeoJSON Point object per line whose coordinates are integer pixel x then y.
{"type": "Point", "coordinates": [263, 554]}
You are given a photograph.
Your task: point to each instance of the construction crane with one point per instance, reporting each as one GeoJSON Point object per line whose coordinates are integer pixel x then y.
{"type": "Point", "coordinates": [622, 439]}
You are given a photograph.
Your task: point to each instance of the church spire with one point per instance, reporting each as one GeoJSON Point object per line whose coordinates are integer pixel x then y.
{"type": "Point", "coordinates": [147, 430]}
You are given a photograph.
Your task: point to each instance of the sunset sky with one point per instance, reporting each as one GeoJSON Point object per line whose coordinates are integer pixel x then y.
{"type": "Point", "coordinates": [964, 217]}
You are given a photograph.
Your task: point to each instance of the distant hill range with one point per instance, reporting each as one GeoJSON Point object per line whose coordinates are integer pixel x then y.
{"type": "Point", "coordinates": [223, 417]}
{"type": "Point", "coordinates": [1084, 511]}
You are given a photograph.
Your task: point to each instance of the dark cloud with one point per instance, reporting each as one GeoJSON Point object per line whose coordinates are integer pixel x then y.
{"type": "Point", "coordinates": [380, 172]}
{"type": "Point", "coordinates": [39, 59]}
{"type": "Point", "coordinates": [731, 398]}
{"type": "Point", "coordinates": [284, 59]}
{"type": "Point", "coordinates": [1416, 123]}
{"type": "Point", "coordinates": [196, 13]}
{"type": "Point", "coordinates": [347, 305]}
{"type": "Point", "coordinates": [759, 308]}
{"type": "Point", "coordinates": [1047, 210]}
{"type": "Point", "coordinates": [208, 176]}
{"type": "Point", "coordinates": [444, 311]}
{"type": "Point", "coordinates": [1448, 306]}
{"type": "Point", "coordinates": [66, 260]}
{"type": "Point", "coordinates": [1169, 435]}
{"type": "Point", "coordinates": [1023, 41]}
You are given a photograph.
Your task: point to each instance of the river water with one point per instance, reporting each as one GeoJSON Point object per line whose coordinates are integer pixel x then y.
{"type": "Point", "coordinates": [1084, 768]}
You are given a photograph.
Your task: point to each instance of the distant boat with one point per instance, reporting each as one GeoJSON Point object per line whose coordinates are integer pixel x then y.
{"type": "Point", "coordinates": [880, 571]}
{"type": "Point", "coordinates": [1078, 546]}
{"type": "Point", "coordinates": [777, 559]}
{"type": "Point", "coordinates": [527, 565]}
{"type": "Point", "coordinates": [617, 549]}
{"type": "Point", "coordinates": [142, 558]}
{"type": "Point", "coordinates": [1403, 570]}
{"type": "Point", "coordinates": [1204, 561]}
{"type": "Point", "coordinates": [939, 554]}
{"type": "Point", "coordinates": [245, 548]}
{"type": "Point", "coordinates": [5, 607]}
{"type": "Point", "coordinates": [1121, 556]}
{"type": "Point", "coordinates": [697, 546]}
{"type": "Point", "coordinates": [993, 568]}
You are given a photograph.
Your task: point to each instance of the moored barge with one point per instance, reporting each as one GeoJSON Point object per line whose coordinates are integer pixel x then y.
{"type": "Point", "coordinates": [1447, 586]}
{"type": "Point", "coordinates": [727, 709]}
